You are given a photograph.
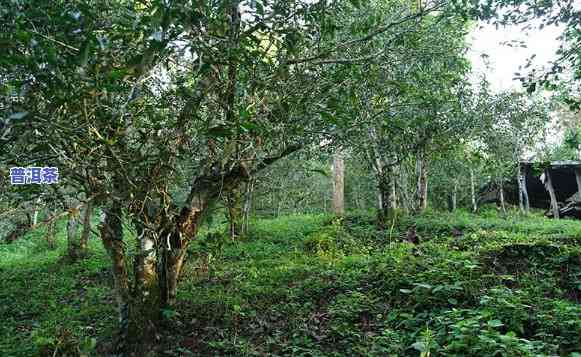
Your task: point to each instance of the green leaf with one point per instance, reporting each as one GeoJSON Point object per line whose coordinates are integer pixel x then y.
{"type": "Point", "coordinates": [328, 117]}
{"type": "Point", "coordinates": [405, 291]}
{"type": "Point", "coordinates": [84, 55]}
{"type": "Point", "coordinates": [531, 88]}
{"type": "Point", "coordinates": [420, 346]}
{"type": "Point", "coordinates": [322, 172]}
{"type": "Point", "coordinates": [244, 114]}
{"type": "Point", "coordinates": [425, 286]}
{"type": "Point", "coordinates": [495, 323]}
{"type": "Point", "coordinates": [18, 116]}
{"type": "Point", "coordinates": [259, 8]}
{"type": "Point", "coordinates": [355, 3]}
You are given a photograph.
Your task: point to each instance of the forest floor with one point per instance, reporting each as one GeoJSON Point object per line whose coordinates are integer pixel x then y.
{"type": "Point", "coordinates": [313, 285]}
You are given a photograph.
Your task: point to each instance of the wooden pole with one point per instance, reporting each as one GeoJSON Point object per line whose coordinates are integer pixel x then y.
{"type": "Point", "coordinates": [578, 179]}
{"type": "Point", "coordinates": [551, 189]}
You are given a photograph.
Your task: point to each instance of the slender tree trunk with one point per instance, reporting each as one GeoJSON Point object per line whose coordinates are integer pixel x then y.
{"type": "Point", "coordinates": [384, 199]}
{"type": "Point", "coordinates": [523, 196]}
{"type": "Point", "coordinates": [36, 210]}
{"type": "Point", "coordinates": [501, 194]}
{"type": "Point", "coordinates": [338, 184]}
{"type": "Point", "coordinates": [473, 191]}
{"type": "Point", "coordinates": [86, 233]}
{"type": "Point", "coordinates": [278, 207]}
{"type": "Point", "coordinates": [72, 234]}
{"type": "Point", "coordinates": [525, 191]}
{"type": "Point", "coordinates": [234, 207]}
{"type": "Point", "coordinates": [50, 231]}
{"type": "Point", "coordinates": [407, 203]}
{"type": "Point", "coordinates": [454, 197]}
{"type": "Point", "coordinates": [422, 183]}
{"type": "Point", "coordinates": [392, 190]}
{"type": "Point", "coordinates": [521, 204]}
{"type": "Point", "coordinates": [356, 197]}
{"type": "Point", "coordinates": [247, 205]}
{"type": "Point", "coordinates": [380, 206]}
{"type": "Point", "coordinates": [519, 179]}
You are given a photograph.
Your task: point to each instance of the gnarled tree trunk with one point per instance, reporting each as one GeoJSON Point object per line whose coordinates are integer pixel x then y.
{"type": "Point", "coordinates": [112, 236]}
{"type": "Point", "coordinates": [552, 195]}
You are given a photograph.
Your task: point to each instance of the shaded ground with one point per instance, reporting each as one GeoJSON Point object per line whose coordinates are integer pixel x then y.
{"type": "Point", "coordinates": [308, 285]}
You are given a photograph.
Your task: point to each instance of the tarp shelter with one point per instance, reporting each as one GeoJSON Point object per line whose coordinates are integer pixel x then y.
{"type": "Point", "coordinates": [553, 186]}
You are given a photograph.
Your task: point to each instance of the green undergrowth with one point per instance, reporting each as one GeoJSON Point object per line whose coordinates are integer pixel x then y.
{"type": "Point", "coordinates": [314, 285]}
{"type": "Point", "coordinates": [48, 303]}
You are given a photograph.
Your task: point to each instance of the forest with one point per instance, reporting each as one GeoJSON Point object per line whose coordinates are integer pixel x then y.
{"type": "Point", "coordinates": [289, 178]}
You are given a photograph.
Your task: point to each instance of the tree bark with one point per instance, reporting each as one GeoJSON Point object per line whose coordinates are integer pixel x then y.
{"type": "Point", "coordinates": [174, 251]}
{"type": "Point", "coordinates": [234, 207]}
{"type": "Point", "coordinates": [392, 189]}
{"type": "Point", "coordinates": [454, 197]}
{"type": "Point", "coordinates": [247, 205]}
{"type": "Point", "coordinates": [523, 197]}
{"type": "Point", "coordinates": [406, 202]}
{"type": "Point", "coordinates": [578, 180]}
{"type": "Point", "coordinates": [551, 189]}
{"type": "Point", "coordinates": [72, 234]}
{"type": "Point", "coordinates": [384, 211]}
{"type": "Point", "coordinates": [86, 233]}
{"type": "Point", "coordinates": [338, 184]}
{"type": "Point", "coordinates": [50, 231]}
{"type": "Point", "coordinates": [501, 194]}
{"type": "Point", "coordinates": [145, 267]}
{"type": "Point", "coordinates": [422, 183]}
{"type": "Point", "coordinates": [385, 197]}
{"type": "Point", "coordinates": [36, 210]}
{"type": "Point", "coordinates": [111, 230]}
{"type": "Point", "coordinates": [473, 191]}
{"type": "Point", "coordinates": [174, 244]}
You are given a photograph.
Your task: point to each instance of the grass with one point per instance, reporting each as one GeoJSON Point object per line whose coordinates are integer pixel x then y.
{"type": "Point", "coordinates": [314, 286]}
